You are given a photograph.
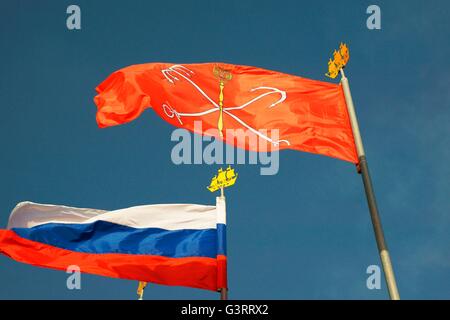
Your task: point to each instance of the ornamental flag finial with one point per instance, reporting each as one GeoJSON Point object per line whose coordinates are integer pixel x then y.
{"type": "Point", "coordinates": [340, 59]}
{"type": "Point", "coordinates": [223, 179]}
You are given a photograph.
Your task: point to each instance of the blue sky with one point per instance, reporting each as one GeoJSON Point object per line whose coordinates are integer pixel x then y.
{"type": "Point", "coordinates": [304, 233]}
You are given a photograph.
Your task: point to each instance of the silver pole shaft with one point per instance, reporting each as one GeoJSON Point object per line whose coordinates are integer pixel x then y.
{"type": "Point", "coordinates": [223, 291]}
{"type": "Point", "coordinates": [370, 194]}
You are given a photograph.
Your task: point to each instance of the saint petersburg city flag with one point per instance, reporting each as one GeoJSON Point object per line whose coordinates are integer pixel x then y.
{"type": "Point", "coordinates": [228, 100]}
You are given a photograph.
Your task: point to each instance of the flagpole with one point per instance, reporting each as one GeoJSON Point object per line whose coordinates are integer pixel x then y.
{"type": "Point", "coordinates": [370, 195]}
{"type": "Point", "coordinates": [223, 291]}
{"type": "Point", "coordinates": [223, 294]}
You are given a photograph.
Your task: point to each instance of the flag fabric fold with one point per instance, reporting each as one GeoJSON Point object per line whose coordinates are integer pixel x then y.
{"type": "Point", "coordinates": [308, 115]}
{"type": "Point", "coordinates": [169, 244]}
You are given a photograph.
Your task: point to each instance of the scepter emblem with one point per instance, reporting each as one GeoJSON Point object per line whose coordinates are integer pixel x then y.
{"type": "Point", "coordinates": [224, 76]}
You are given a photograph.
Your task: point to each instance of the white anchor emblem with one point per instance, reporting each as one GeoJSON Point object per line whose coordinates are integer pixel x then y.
{"type": "Point", "coordinates": [173, 73]}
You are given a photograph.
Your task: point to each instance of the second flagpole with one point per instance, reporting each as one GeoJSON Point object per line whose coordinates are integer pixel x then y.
{"type": "Point", "coordinates": [223, 179]}
{"type": "Point", "coordinates": [370, 195]}
{"type": "Point", "coordinates": [223, 291]}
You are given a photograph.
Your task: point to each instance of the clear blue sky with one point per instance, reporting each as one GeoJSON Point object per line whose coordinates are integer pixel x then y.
{"type": "Point", "coordinates": [304, 233]}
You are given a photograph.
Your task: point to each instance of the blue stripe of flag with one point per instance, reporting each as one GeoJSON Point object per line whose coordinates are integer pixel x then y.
{"type": "Point", "coordinates": [106, 237]}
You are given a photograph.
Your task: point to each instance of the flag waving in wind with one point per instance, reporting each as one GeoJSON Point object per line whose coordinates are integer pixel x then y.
{"type": "Point", "coordinates": [170, 244]}
{"type": "Point", "coordinates": [308, 115]}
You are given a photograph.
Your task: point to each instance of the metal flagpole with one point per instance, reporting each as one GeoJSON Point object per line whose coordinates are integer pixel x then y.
{"type": "Point", "coordinates": [223, 179]}
{"type": "Point", "coordinates": [223, 291]}
{"type": "Point", "coordinates": [223, 294]}
{"type": "Point", "coordinates": [370, 195]}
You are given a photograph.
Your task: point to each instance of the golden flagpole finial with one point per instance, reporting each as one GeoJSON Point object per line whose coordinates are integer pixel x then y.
{"type": "Point", "coordinates": [340, 59]}
{"type": "Point", "coordinates": [223, 179]}
{"type": "Point", "coordinates": [140, 289]}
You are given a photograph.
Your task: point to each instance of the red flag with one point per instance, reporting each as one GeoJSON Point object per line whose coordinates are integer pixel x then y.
{"type": "Point", "coordinates": [309, 115]}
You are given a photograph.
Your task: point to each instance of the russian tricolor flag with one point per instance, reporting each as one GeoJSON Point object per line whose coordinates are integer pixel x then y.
{"type": "Point", "coordinates": [170, 244]}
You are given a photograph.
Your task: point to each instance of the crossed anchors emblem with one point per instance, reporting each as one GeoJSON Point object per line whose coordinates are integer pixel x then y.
{"type": "Point", "coordinates": [177, 72]}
